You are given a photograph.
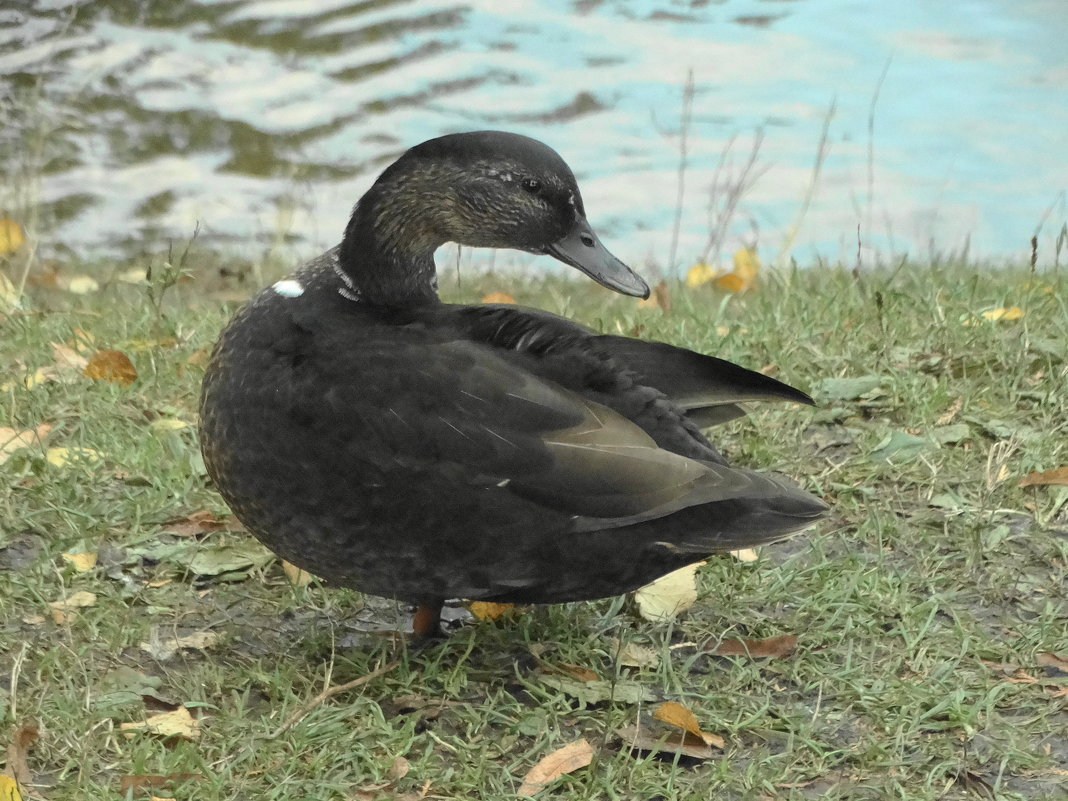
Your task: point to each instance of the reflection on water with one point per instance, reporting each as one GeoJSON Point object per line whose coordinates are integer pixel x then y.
{"type": "Point", "coordinates": [266, 119]}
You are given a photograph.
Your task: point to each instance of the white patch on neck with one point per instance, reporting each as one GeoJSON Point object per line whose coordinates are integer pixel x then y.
{"type": "Point", "coordinates": [288, 288]}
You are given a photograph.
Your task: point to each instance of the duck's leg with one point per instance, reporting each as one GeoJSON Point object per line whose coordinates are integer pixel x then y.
{"type": "Point", "coordinates": [427, 621]}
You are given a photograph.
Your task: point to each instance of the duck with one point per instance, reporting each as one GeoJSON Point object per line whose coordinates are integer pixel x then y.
{"type": "Point", "coordinates": [384, 440]}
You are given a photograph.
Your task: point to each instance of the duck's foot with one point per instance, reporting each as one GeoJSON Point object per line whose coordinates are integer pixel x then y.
{"type": "Point", "coordinates": [426, 624]}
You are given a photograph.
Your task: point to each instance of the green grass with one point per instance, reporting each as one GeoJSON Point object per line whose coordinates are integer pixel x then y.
{"type": "Point", "coordinates": [922, 604]}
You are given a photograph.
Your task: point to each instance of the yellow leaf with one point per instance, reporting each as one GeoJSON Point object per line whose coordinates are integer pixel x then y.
{"type": "Point", "coordinates": [12, 440]}
{"type": "Point", "coordinates": [111, 365]}
{"type": "Point", "coordinates": [62, 611]}
{"type": "Point", "coordinates": [732, 282]}
{"type": "Point", "coordinates": [668, 596]}
{"type": "Point", "coordinates": [297, 577]}
{"type": "Point", "coordinates": [745, 555]}
{"type": "Point", "coordinates": [9, 296]}
{"type": "Point", "coordinates": [700, 273]}
{"type": "Point", "coordinates": [81, 562]}
{"type": "Point", "coordinates": [134, 275]}
{"type": "Point", "coordinates": [488, 610]}
{"type": "Point", "coordinates": [82, 284]}
{"type": "Point", "coordinates": [11, 236]}
{"type": "Point", "coordinates": [61, 457]}
{"type": "Point", "coordinates": [570, 758]}
{"type": "Point", "coordinates": [1003, 313]}
{"type": "Point", "coordinates": [675, 714]}
{"type": "Point", "coordinates": [168, 424]}
{"type": "Point", "coordinates": [746, 263]}
{"type": "Point", "coordinates": [498, 297]}
{"type": "Point", "coordinates": [9, 789]}
{"type": "Point", "coordinates": [179, 723]}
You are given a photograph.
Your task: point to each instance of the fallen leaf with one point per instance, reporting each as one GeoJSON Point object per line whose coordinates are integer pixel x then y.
{"type": "Point", "coordinates": [81, 284]}
{"type": "Point", "coordinates": [111, 365]}
{"type": "Point", "coordinates": [62, 611]}
{"type": "Point", "coordinates": [700, 273]}
{"type": "Point", "coordinates": [66, 361]}
{"type": "Point", "coordinates": [775, 647]}
{"type": "Point", "coordinates": [595, 692]}
{"type": "Point", "coordinates": [165, 648]}
{"type": "Point", "coordinates": [179, 723]}
{"type": "Point", "coordinates": [9, 296]}
{"type": "Point", "coordinates": [747, 555]}
{"type": "Point", "coordinates": [578, 671]}
{"type": "Point", "coordinates": [1003, 313]}
{"type": "Point", "coordinates": [668, 596]}
{"type": "Point", "coordinates": [951, 434]}
{"type": "Point", "coordinates": [81, 562]}
{"type": "Point", "coordinates": [139, 781]}
{"type": "Point", "coordinates": [847, 389]}
{"type": "Point", "coordinates": [11, 236]}
{"type": "Point", "coordinates": [12, 440]}
{"type": "Point", "coordinates": [9, 789]}
{"type": "Point", "coordinates": [488, 610]}
{"type": "Point", "coordinates": [124, 685]}
{"type": "Point", "coordinates": [297, 576]}
{"type": "Point", "coordinates": [18, 753]}
{"type": "Point", "coordinates": [1059, 475]}
{"type": "Point", "coordinates": [61, 457]}
{"type": "Point", "coordinates": [195, 524]}
{"type": "Point", "coordinates": [397, 771]}
{"type": "Point", "coordinates": [168, 424]}
{"type": "Point", "coordinates": [1056, 661]}
{"type": "Point", "coordinates": [743, 276]}
{"type": "Point", "coordinates": [899, 446]}
{"type": "Point", "coordinates": [644, 739]}
{"type": "Point", "coordinates": [675, 714]}
{"type": "Point", "coordinates": [659, 298]}
{"type": "Point", "coordinates": [228, 558]}
{"type": "Point", "coordinates": [633, 655]}
{"type": "Point", "coordinates": [132, 275]}
{"type": "Point", "coordinates": [498, 297]}
{"type": "Point", "coordinates": [954, 409]}
{"type": "Point", "coordinates": [552, 766]}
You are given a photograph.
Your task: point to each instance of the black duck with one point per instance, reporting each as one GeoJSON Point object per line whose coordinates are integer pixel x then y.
{"type": "Point", "coordinates": [384, 440]}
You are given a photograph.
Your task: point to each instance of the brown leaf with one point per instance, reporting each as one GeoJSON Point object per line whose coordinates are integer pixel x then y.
{"type": "Point", "coordinates": [397, 771]}
{"type": "Point", "coordinates": [498, 297]}
{"type": "Point", "coordinates": [140, 781]}
{"type": "Point", "coordinates": [660, 298]}
{"type": "Point", "coordinates": [488, 610]}
{"type": "Point", "coordinates": [18, 753]}
{"type": "Point", "coordinates": [198, 523]}
{"type": "Point", "coordinates": [63, 610]}
{"type": "Point", "coordinates": [1058, 475]}
{"type": "Point", "coordinates": [578, 671]}
{"type": "Point", "coordinates": [563, 760]}
{"type": "Point", "coordinates": [111, 365]}
{"type": "Point", "coordinates": [675, 714]}
{"type": "Point", "coordinates": [775, 647]}
{"type": "Point", "coordinates": [1052, 660]}
{"type": "Point", "coordinates": [645, 739]}
{"type": "Point", "coordinates": [12, 440]}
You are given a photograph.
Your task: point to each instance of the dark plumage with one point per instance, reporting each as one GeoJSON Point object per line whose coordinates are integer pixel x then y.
{"type": "Point", "coordinates": [384, 440]}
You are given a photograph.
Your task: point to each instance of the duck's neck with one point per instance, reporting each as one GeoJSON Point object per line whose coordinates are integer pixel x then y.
{"type": "Point", "coordinates": [389, 244]}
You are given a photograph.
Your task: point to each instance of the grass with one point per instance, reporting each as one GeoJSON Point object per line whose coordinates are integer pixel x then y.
{"type": "Point", "coordinates": [923, 606]}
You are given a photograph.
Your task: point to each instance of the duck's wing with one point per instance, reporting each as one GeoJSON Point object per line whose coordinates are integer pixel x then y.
{"type": "Point", "coordinates": [709, 389]}
{"type": "Point", "coordinates": [461, 409]}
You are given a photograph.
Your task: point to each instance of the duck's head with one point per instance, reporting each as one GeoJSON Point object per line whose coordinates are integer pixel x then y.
{"type": "Point", "coordinates": [483, 189]}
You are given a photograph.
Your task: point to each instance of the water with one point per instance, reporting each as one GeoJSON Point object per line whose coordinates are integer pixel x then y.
{"type": "Point", "coordinates": [262, 121]}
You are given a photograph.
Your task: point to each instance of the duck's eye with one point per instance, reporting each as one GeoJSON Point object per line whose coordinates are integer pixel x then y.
{"type": "Point", "coordinates": [532, 185]}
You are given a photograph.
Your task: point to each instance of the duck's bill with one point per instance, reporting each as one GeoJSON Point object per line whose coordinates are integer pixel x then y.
{"type": "Point", "coordinates": [583, 250]}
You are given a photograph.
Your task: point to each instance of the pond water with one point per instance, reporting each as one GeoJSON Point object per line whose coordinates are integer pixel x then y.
{"type": "Point", "coordinates": [263, 120]}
